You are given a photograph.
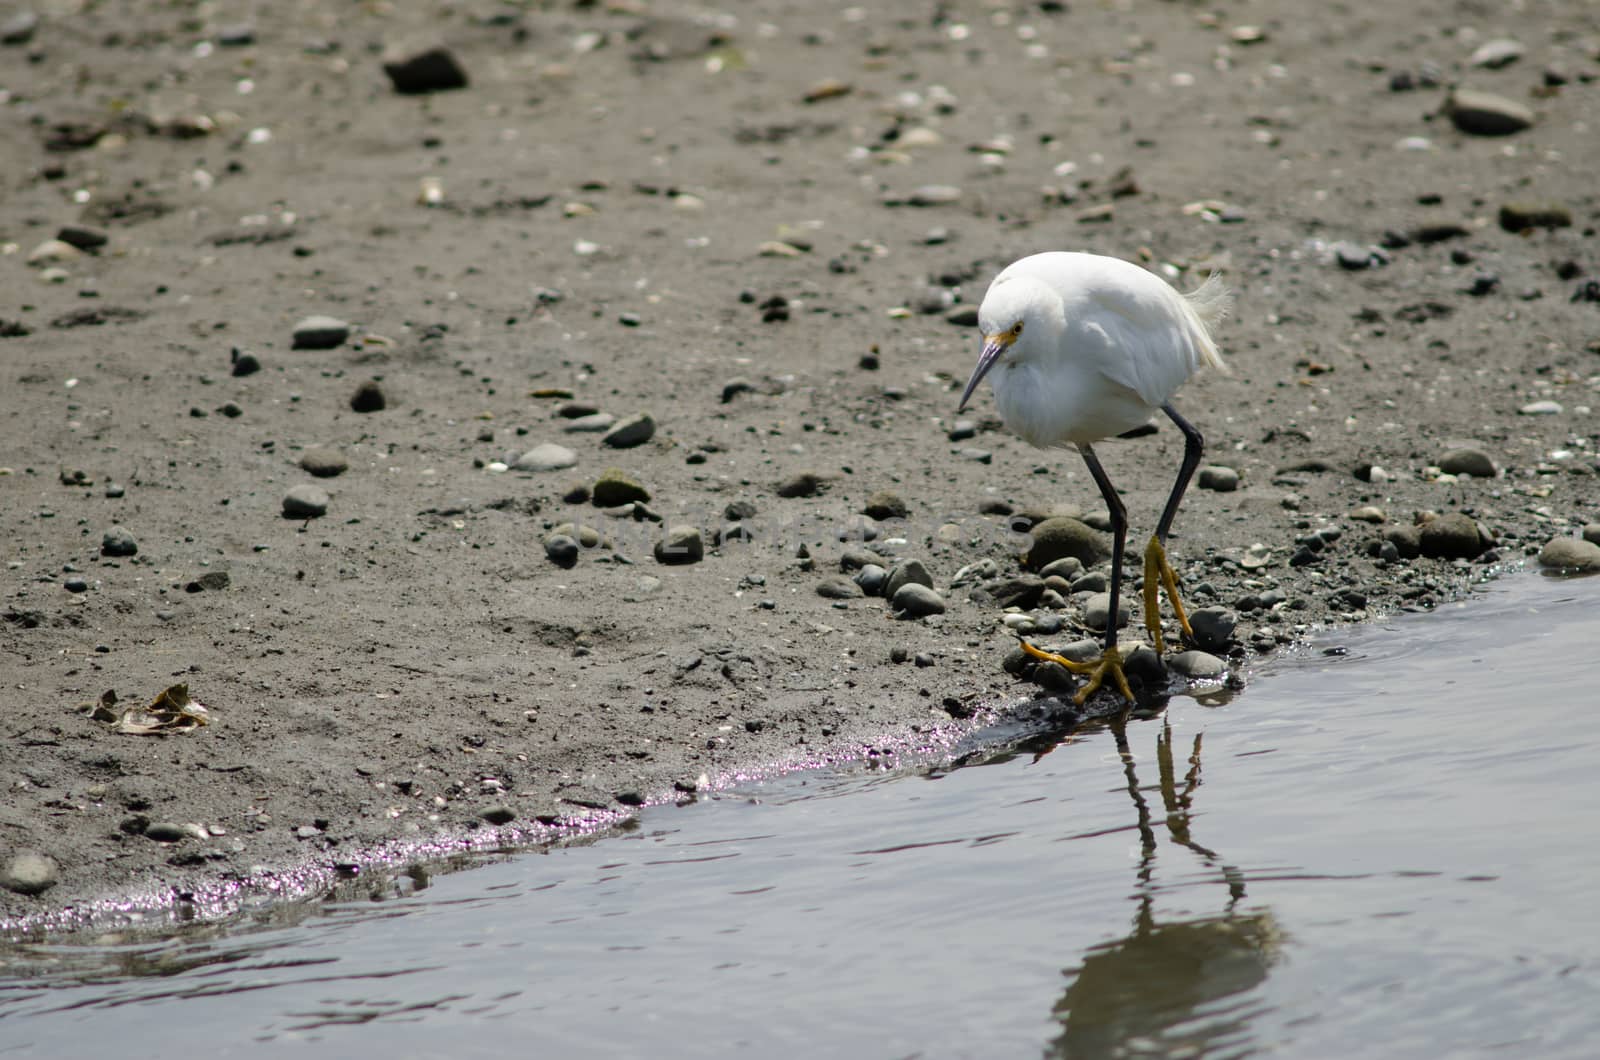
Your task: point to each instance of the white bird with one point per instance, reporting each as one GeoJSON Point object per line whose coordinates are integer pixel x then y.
{"type": "Point", "coordinates": [1080, 347]}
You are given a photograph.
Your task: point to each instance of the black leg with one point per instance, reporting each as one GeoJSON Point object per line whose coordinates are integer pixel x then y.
{"type": "Point", "coordinates": [1193, 446]}
{"type": "Point", "coordinates": [1119, 535]}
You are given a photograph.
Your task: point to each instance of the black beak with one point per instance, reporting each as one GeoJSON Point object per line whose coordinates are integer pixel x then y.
{"type": "Point", "coordinates": [992, 349]}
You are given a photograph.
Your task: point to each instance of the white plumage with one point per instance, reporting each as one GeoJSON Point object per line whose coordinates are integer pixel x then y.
{"type": "Point", "coordinates": [1103, 344]}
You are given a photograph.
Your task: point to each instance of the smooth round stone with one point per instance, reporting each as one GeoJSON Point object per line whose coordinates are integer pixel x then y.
{"type": "Point", "coordinates": [1213, 627]}
{"type": "Point", "coordinates": [616, 487]}
{"type": "Point", "coordinates": [1059, 537]}
{"type": "Point", "coordinates": [585, 536]}
{"type": "Point", "coordinates": [838, 588]}
{"type": "Point", "coordinates": [75, 584]}
{"type": "Point", "coordinates": [885, 505]}
{"type": "Point", "coordinates": [961, 430]}
{"type": "Point", "coordinates": [1591, 533]}
{"type": "Point", "coordinates": [165, 832]}
{"type": "Point", "coordinates": [1486, 114]}
{"type": "Point", "coordinates": [323, 463]}
{"type": "Point", "coordinates": [907, 572]}
{"type": "Point", "coordinates": [1219, 478]}
{"type": "Point", "coordinates": [497, 815]}
{"type": "Point", "coordinates": [591, 424]}
{"type": "Point", "coordinates": [305, 501]}
{"type": "Point", "coordinates": [1541, 408]}
{"type": "Point", "coordinates": [118, 542]}
{"type": "Point", "coordinates": [546, 457]}
{"type": "Point", "coordinates": [1452, 536]}
{"type": "Point", "coordinates": [1097, 611]}
{"type": "Point", "coordinates": [872, 578]}
{"type": "Point", "coordinates": [917, 600]}
{"type": "Point", "coordinates": [1467, 461]}
{"type": "Point", "coordinates": [1369, 514]}
{"type": "Point", "coordinates": [1570, 553]}
{"type": "Point", "coordinates": [1493, 54]}
{"type": "Point", "coordinates": [635, 430]}
{"type": "Point", "coordinates": [1196, 664]}
{"type": "Point", "coordinates": [561, 550]}
{"type": "Point", "coordinates": [432, 70]}
{"type": "Point", "coordinates": [320, 333]}
{"type": "Point", "coordinates": [29, 873]}
{"type": "Point", "coordinates": [980, 571]}
{"type": "Point", "coordinates": [1066, 568]}
{"type": "Point", "coordinates": [682, 544]}
{"type": "Point", "coordinates": [369, 397]}
{"type": "Point", "coordinates": [1407, 540]}
{"type": "Point", "coordinates": [1022, 591]}
{"type": "Point", "coordinates": [51, 252]}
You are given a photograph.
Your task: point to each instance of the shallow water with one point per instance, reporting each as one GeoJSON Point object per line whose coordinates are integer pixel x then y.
{"type": "Point", "coordinates": [1390, 850]}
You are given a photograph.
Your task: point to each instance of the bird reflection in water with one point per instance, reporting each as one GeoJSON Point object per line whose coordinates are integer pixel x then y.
{"type": "Point", "coordinates": [1173, 987]}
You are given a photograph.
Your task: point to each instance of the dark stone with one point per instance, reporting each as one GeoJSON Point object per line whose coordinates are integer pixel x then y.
{"type": "Point", "coordinates": [434, 70]}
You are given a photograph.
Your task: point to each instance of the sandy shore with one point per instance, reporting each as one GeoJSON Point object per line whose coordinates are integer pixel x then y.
{"type": "Point", "coordinates": [761, 228]}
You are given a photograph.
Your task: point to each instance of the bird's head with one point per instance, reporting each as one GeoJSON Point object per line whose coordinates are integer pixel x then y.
{"type": "Point", "coordinates": [1016, 315]}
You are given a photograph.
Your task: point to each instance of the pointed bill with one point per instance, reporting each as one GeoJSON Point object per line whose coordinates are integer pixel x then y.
{"type": "Point", "coordinates": [993, 347]}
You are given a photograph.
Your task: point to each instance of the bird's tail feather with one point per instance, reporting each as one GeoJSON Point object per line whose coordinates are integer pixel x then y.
{"type": "Point", "coordinates": [1211, 303]}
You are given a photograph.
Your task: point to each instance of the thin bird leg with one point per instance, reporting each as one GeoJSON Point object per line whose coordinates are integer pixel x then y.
{"type": "Point", "coordinates": [1110, 661]}
{"type": "Point", "coordinates": [1157, 570]}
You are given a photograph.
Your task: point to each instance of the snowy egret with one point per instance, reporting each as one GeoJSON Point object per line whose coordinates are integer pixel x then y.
{"type": "Point", "coordinates": [1080, 347]}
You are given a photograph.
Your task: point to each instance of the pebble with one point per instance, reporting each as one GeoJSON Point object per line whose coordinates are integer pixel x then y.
{"type": "Point", "coordinates": [585, 536]}
{"type": "Point", "coordinates": [546, 457]}
{"type": "Point", "coordinates": [561, 550]}
{"type": "Point", "coordinates": [885, 505]}
{"type": "Point", "coordinates": [323, 463]}
{"type": "Point", "coordinates": [1355, 257]}
{"type": "Point", "coordinates": [839, 588]}
{"type": "Point", "coordinates": [801, 484]}
{"type": "Point", "coordinates": [1369, 514]}
{"type": "Point", "coordinates": [906, 572]}
{"type": "Point", "coordinates": [1541, 408]}
{"type": "Point", "coordinates": [1213, 627]}
{"type": "Point", "coordinates": [76, 584]}
{"type": "Point", "coordinates": [433, 70]}
{"type": "Point", "coordinates": [856, 558]}
{"type": "Point", "coordinates": [1570, 553]}
{"type": "Point", "coordinates": [591, 424]}
{"type": "Point", "coordinates": [872, 578]}
{"type": "Point", "coordinates": [305, 501]}
{"type": "Point", "coordinates": [1486, 114]}
{"type": "Point", "coordinates": [859, 528]}
{"type": "Point", "coordinates": [1407, 540]}
{"type": "Point", "coordinates": [1493, 54]}
{"type": "Point", "coordinates": [84, 237]}
{"type": "Point", "coordinates": [1468, 461]}
{"type": "Point", "coordinates": [165, 832]}
{"type": "Point", "coordinates": [29, 873]}
{"type": "Point", "coordinates": [1061, 536]}
{"type": "Point", "coordinates": [738, 510]}
{"type": "Point", "coordinates": [1591, 533]}
{"type": "Point", "coordinates": [19, 28]}
{"type": "Point", "coordinates": [1097, 609]}
{"type": "Point", "coordinates": [1022, 591]}
{"type": "Point", "coordinates": [1067, 567]}
{"type": "Point", "coordinates": [934, 195]}
{"type": "Point", "coordinates": [1521, 216]}
{"type": "Point", "coordinates": [1219, 478]}
{"type": "Point", "coordinates": [917, 600]}
{"type": "Point", "coordinates": [961, 430]}
{"type": "Point", "coordinates": [682, 544]}
{"type": "Point", "coordinates": [963, 316]}
{"type": "Point", "coordinates": [118, 542]}
{"type": "Point", "coordinates": [615, 487]}
{"type": "Point", "coordinates": [979, 456]}
{"type": "Point", "coordinates": [734, 387]}
{"type": "Point", "coordinates": [368, 397]}
{"type": "Point", "coordinates": [1196, 664]}
{"type": "Point", "coordinates": [1452, 536]}
{"type": "Point", "coordinates": [635, 430]}
{"type": "Point", "coordinates": [52, 252]}
{"type": "Point", "coordinates": [498, 814]}
{"type": "Point", "coordinates": [244, 363]}
{"type": "Point", "coordinates": [320, 333]}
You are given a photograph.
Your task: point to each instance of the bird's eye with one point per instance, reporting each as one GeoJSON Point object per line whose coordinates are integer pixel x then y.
{"type": "Point", "coordinates": [1016, 329]}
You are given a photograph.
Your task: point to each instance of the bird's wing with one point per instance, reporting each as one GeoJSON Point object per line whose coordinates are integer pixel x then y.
{"type": "Point", "coordinates": [1153, 343]}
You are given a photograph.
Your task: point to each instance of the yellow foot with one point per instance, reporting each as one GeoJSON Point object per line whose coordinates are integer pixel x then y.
{"type": "Point", "coordinates": [1110, 662]}
{"type": "Point", "coordinates": [1158, 573]}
